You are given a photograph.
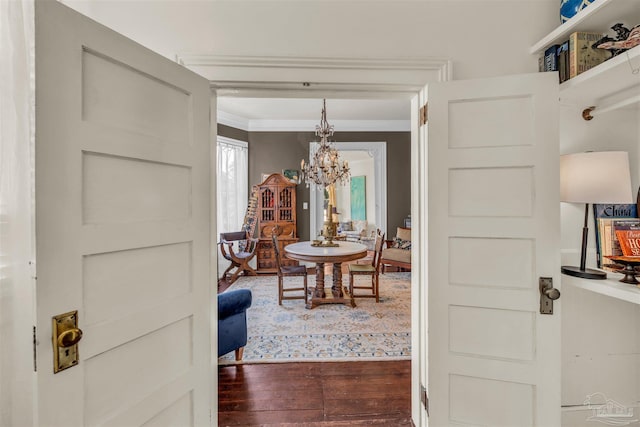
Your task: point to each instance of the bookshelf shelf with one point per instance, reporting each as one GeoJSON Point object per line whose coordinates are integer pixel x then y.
{"type": "Point", "coordinates": [610, 287]}
{"type": "Point", "coordinates": [598, 16]}
{"type": "Point", "coordinates": [614, 78]}
{"type": "Point", "coordinates": [605, 80]}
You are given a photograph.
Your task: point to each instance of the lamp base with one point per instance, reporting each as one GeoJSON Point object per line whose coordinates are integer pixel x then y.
{"type": "Point", "coordinates": [587, 273]}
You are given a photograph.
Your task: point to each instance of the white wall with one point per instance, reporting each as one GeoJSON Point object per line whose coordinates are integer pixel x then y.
{"type": "Point", "coordinates": [600, 335]}
{"type": "Point", "coordinates": [483, 38]}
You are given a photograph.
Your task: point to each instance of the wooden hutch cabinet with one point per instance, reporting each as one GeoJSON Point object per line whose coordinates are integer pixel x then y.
{"type": "Point", "coordinates": [276, 213]}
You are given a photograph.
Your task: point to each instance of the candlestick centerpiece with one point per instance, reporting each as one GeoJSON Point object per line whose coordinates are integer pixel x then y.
{"type": "Point", "coordinates": [329, 231]}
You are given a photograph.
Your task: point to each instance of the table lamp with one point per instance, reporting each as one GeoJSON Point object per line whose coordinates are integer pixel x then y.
{"type": "Point", "coordinates": [593, 177]}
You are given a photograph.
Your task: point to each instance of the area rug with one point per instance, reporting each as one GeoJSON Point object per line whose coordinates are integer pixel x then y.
{"type": "Point", "coordinates": [330, 332]}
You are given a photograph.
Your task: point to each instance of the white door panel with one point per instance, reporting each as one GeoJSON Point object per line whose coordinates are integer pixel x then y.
{"type": "Point", "coordinates": [122, 227]}
{"type": "Point", "coordinates": [493, 228]}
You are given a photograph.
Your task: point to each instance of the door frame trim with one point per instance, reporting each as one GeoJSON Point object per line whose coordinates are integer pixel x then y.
{"type": "Point", "coordinates": [357, 78]}
{"type": "Point", "coordinates": [282, 76]}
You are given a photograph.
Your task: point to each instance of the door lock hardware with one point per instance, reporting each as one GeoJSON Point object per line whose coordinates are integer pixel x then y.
{"type": "Point", "coordinates": [547, 295]}
{"type": "Point", "coordinates": [66, 336]}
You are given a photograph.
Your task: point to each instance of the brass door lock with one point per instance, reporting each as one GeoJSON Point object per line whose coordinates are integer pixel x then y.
{"type": "Point", "coordinates": [548, 294]}
{"type": "Point", "coordinates": [66, 336]}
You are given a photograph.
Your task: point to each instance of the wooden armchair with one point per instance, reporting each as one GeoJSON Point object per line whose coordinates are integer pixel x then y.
{"type": "Point", "coordinates": [398, 251]}
{"type": "Point", "coordinates": [240, 257]}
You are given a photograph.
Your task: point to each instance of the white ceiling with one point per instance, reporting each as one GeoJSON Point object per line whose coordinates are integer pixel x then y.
{"type": "Point", "coordinates": [299, 113]}
{"type": "Point", "coordinates": [310, 109]}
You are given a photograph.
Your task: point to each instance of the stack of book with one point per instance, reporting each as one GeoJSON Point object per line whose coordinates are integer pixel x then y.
{"type": "Point", "coordinates": [609, 219]}
{"type": "Point", "coordinates": [573, 56]}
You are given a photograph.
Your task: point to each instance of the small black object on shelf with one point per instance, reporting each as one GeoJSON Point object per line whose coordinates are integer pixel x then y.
{"type": "Point", "coordinates": [629, 270]}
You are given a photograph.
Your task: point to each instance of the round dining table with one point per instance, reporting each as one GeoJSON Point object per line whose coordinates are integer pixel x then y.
{"type": "Point", "coordinates": [336, 255]}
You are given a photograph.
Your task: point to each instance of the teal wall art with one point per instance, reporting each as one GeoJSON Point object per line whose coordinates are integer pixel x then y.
{"type": "Point", "coordinates": [358, 198]}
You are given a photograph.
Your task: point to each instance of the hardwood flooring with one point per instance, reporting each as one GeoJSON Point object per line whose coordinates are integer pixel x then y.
{"type": "Point", "coordinates": [314, 394]}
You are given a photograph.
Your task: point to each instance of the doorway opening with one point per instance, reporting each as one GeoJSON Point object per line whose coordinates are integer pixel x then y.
{"type": "Point", "coordinates": [393, 78]}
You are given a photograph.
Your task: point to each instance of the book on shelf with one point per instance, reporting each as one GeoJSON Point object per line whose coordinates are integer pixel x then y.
{"type": "Point", "coordinates": [551, 58]}
{"type": "Point", "coordinates": [541, 63]}
{"type": "Point", "coordinates": [605, 217]}
{"type": "Point", "coordinates": [628, 235]}
{"type": "Point", "coordinates": [582, 56]}
{"type": "Point", "coordinates": [563, 61]}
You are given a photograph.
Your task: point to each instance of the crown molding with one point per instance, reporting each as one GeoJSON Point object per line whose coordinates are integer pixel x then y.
{"type": "Point", "coordinates": [232, 120]}
{"type": "Point", "coordinates": [255, 76]}
{"type": "Point", "coordinates": [339, 125]}
{"type": "Point", "coordinates": [188, 59]}
{"type": "Point", "coordinates": [250, 125]}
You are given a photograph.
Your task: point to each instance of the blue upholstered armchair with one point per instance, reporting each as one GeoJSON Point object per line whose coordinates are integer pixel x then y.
{"type": "Point", "coordinates": [232, 321]}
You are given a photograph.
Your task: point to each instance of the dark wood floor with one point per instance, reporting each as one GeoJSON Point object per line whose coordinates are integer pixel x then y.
{"type": "Point", "coordinates": [319, 393]}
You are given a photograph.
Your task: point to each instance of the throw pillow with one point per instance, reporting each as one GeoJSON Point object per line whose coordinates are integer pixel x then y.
{"type": "Point", "coordinates": [401, 244]}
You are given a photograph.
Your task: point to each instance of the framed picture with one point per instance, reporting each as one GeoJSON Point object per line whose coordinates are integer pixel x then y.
{"type": "Point", "coordinates": [264, 176]}
{"type": "Point", "coordinates": [358, 198]}
{"type": "Point", "coordinates": [292, 175]}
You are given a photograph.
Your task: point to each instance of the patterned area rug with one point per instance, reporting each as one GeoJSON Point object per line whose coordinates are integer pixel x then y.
{"type": "Point", "coordinates": [330, 332]}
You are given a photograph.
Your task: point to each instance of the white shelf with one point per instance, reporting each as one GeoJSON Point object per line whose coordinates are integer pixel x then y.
{"type": "Point", "coordinates": [607, 79]}
{"type": "Point", "coordinates": [610, 287]}
{"type": "Point", "coordinates": [599, 16]}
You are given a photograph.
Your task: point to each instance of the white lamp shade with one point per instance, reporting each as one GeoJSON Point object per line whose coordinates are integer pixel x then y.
{"type": "Point", "coordinates": [595, 177]}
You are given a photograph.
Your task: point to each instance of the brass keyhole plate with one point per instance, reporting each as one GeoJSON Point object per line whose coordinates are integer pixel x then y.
{"type": "Point", "coordinates": [65, 357]}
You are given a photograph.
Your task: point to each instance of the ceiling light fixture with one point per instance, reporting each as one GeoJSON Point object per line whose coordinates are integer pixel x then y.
{"type": "Point", "coordinates": [325, 167]}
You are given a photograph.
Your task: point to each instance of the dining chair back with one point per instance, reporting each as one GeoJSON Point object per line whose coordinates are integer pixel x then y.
{"type": "Point", "coordinates": [288, 271]}
{"type": "Point", "coordinates": [372, 270]}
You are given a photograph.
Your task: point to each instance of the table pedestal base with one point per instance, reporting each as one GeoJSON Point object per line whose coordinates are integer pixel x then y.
{"type": "Point", "coordinates": [338, 294]}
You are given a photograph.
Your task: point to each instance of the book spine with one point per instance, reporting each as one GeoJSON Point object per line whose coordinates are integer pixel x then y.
{"type": "Point", "coordinates": [582, 56]}
{"type": "Point", "coordinates": [551, 58]}
{"type": "Point", "coordinates": [572, 55]}
{"type": "Point", "coordinates": [563, 61]}
{"type": "Point", "coordinates": [541, 63]}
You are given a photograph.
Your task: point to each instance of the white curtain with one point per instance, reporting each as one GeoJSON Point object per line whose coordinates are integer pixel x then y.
{"type": "Point", "coordinates": [232, 191]}
{"type": "Point", "coordinates": [233, 178]}
{"type": "Point", "coordinates": [17, 121]}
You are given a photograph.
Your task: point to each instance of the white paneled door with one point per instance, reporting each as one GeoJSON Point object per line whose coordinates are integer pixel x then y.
{"type": "Point", "coordinates": [122, 227]}
{"type": "Point", "coordinates": [493, 230]}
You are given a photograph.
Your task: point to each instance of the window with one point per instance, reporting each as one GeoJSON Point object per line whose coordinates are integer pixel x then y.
{"type": "Point", "coordinates": [232, 183]}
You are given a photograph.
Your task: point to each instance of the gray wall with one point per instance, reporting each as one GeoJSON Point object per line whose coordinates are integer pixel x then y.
{"type": "Point", "coordinates": [233, 133]}
{"type": "Point", "coordinates": [271, 152]}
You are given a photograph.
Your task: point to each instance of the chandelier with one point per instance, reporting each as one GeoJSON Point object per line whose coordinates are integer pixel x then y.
{"type": "Point", "coordinates": [325, 167]}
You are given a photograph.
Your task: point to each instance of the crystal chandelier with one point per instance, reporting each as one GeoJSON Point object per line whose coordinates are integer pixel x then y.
{"type": "Point", "coordinates": [325, 168]}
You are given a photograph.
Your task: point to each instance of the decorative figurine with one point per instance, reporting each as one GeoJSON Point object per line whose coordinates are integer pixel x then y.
{"type": "Point", "coordinates": [625, 39]}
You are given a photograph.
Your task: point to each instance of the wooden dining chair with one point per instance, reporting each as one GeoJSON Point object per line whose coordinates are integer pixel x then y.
{"type": "Point", "coordinates": [288, 271]}
{"type": "Point", "coordinates": [372, 270]}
